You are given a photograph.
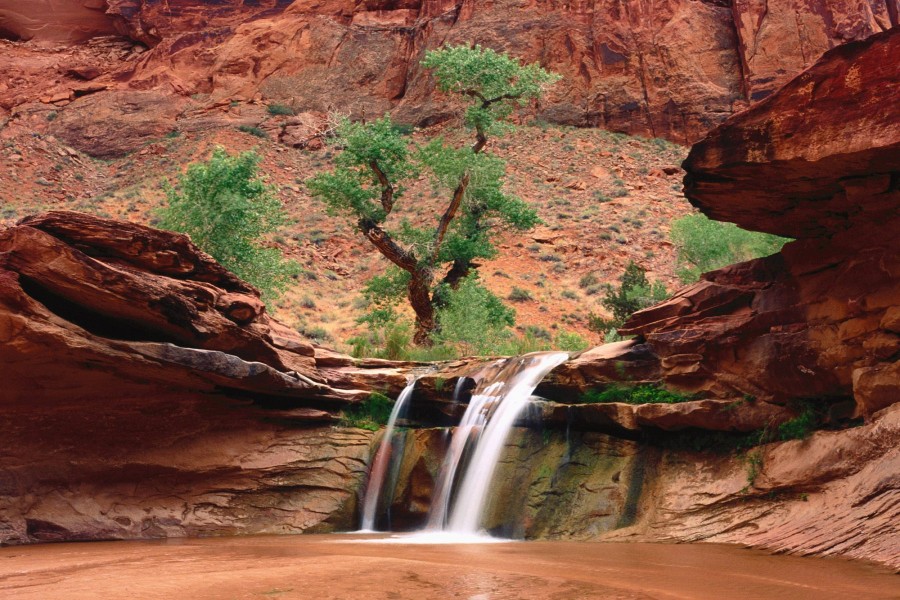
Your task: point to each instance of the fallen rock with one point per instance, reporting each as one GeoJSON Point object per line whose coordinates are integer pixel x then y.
{"type": "Point", "coordinates": [113, 123]}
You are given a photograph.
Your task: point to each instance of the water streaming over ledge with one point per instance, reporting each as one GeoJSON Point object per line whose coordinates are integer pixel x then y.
{"type": "Point", "coordinates": [464, 482]}
{"type": "Point", "coordinates": [382, 462]}
{"type": "Point", "coordinates": [492, 412]}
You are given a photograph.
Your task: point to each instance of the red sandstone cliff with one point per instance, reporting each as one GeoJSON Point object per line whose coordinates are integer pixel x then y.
{"type": "Point", "coordinates": [149, 394]}
{"type": "Point", "coordinates": [670, 69]}
{"type": "Point", "coordinates": [818, 161]}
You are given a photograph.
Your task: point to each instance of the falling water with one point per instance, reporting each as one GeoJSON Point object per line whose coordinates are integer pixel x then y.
{"type": "Point", "coordinates": [382, 461]}
{"type": "Point", "coordinates": [492, 411]}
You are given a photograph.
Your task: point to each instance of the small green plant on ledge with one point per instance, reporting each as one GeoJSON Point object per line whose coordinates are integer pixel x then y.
{"type": "Point", "coordinates": [637, 394]}
{"type": "Point", "coordinates": [801, 426]}
{"type": "Point", "coordinates": [372, 413]}
{"type": "Point", "coordinates": [256, 131]}
{"type": "Point", "coordinates": [280, 110]}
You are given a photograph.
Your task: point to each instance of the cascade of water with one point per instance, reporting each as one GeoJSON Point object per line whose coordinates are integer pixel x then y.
{"type": "Point", "coordinates": [382, 461]}
{"type": "Point", "coordinates": [492, 411]}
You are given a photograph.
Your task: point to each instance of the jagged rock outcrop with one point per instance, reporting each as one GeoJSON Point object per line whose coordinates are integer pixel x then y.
{"type": "Point", "coordinates": [147, 393]}
{"type": "Point", "coordinates": [670, 69]}
{"type": "Point", "coordinates": [818, 161]}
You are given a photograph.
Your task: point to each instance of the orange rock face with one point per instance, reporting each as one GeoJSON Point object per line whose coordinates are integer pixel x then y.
{"type": "Point", "coordinates": [55, 21]}
{"type": "Point", "coordinates": [818, 161]}
{"type": "Point", "coordinates": [670, 69]}
{"type": "Point", "coordinates": [147, 393]}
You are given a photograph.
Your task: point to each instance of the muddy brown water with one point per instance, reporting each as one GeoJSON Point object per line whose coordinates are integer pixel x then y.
{"type": "Point", "coordinates": [345, 567]}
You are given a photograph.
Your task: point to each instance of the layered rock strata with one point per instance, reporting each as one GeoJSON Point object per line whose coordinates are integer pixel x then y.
{"type": "Point", "coordinates": [147, 393]}
{"type": "Point", "coordinates": [819, 162]}
{"type": "Point", "coordinates": [672, 69]}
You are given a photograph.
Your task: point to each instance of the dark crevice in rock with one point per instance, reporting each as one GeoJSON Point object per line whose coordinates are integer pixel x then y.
{"type": "Point", "coordinates": [90, 320]}
{"type": "Point", "coordinates": [9, 35]}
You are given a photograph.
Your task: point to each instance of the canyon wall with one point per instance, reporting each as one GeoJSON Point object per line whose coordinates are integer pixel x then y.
{"type": "Point", "coordinates": [671, 69]}
{"type": "Point", "coordinates": [819, 162]}
{"type": "Point", "coordinates": [149, 394]}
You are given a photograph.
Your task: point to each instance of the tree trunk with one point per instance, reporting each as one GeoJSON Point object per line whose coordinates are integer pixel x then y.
{"type": "Point", "coordinates": [419, 293]}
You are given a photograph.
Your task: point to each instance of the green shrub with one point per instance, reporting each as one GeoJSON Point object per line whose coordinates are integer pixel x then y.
{"type": "Point", "coordinates": [317, 334]}
{"type": "Point", "coordinates": [570, 341]}
{"type": "Point", "coordinates": [227, 209]}
{"type": "Point", "coordinates": [280, 110]}
{"type": "Point", "coordinates": [640, 394]}
{"type": "Point", "coordinates": [403, 128]}
{"type": "Point", "coordinates": [801, 426]}
{"type": "Point", "coordinates": [253, 131]}
{"type": "Point", "coordinates": [705, 245]}
{"type": "Point", "coordinates": [519, 295]}
{"type": "Point", "coordinates": [473, 319]}
{"type": "Point", "coordinates": [372, 413]}
{"type": "Point", "coordinates": [588, 280]}
{"type": "Point", "coordinates": [635, 292]}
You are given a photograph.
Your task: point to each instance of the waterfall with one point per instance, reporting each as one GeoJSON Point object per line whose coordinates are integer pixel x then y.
{"type": "Point", "coordinates": [492, 411]}
{"type": "Point", "coordinates": [382, 461]}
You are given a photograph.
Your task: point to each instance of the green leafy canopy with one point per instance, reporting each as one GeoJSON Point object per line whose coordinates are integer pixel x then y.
{"type": "Point", "coordinates": [378, 162]}
{"type": "Point", "coordinates": [227, 209]}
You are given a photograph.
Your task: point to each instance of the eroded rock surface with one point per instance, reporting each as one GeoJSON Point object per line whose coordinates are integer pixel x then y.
{"type": "Point", "coordinates": [147, 393]}
{"type": "Point", "coordinates": [672, 69]}
{"type": "Point", "coordinates": [818, 161]}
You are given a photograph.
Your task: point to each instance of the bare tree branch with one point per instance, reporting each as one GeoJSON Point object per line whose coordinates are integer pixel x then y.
{"type": "Point", "coordinates": [385, 244]}
{"type": "Point", "coordinates": [387, 188]}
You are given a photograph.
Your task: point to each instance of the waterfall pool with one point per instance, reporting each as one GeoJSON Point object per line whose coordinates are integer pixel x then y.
{"type": "Point", "coordinates": [313, 567]}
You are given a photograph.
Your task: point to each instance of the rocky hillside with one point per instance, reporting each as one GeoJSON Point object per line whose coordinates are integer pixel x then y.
{"type": "Point", "coordinates": [605, 199]}
{"type": "Point", "coordinates": [668, 69]}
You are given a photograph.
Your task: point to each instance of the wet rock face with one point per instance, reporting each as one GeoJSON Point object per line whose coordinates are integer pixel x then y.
{"type": "Point", "coordinates": [819, 161]}
{"type": "Point", "coordinates": [833, 494]}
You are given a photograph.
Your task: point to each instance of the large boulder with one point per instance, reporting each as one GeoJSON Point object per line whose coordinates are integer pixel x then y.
{"type": "Point", "coordinates": [147, 393]}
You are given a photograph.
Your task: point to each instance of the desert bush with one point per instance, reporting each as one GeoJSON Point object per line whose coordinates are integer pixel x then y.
{"type": "Point", "coordinates": [517, 294]}
{"type": "Point", "coordinates": [372, 413]}
{"type": "Point", "coordinates": [639, 394]}
{"type": "Point", "coordinates": [255, 131]}
{"type": "Point", "coordinates": [280, 110]}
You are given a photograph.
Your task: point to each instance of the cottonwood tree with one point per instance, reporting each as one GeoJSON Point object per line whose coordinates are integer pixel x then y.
{"type": "Point", "coordinates": [228, 210]}
{"type": "Point", "coordinates": [377, 162]}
